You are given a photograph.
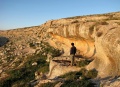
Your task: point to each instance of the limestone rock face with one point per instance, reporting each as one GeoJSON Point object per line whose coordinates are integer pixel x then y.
{"type": "Point", "coordinates": [95, 37]}
{"type": "Point", "coordinates": [57, 69]}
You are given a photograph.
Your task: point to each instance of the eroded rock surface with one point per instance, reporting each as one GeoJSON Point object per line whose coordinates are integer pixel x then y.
{"type": "Point", "coordinates": [95, 37]}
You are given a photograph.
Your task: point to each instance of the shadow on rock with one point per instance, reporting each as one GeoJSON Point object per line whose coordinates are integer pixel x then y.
{"type": "Point", "coordinates": [3, 41]}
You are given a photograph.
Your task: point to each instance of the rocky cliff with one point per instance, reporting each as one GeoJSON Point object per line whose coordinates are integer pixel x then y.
{"type": "Point", "coordinates": [95, 36]}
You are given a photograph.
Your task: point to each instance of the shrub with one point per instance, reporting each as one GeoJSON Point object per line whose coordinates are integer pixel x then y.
{"type": "Point", "coordinates": [70, 75]}
{"type": "Point", "coordinates": [44, 68]}
{"type": "Point", "coordinates": [79, 83]}
{"type": "Point", "coordinates": [46, 48]}
{"type": "Point", "coordinates": [92, 73]}
{"type": "Point", "coordinates": [83, 63]}
{"type": "Point", "coordinates": [49, 84]}
{"type": "Point", "coordinates": [88, 74]}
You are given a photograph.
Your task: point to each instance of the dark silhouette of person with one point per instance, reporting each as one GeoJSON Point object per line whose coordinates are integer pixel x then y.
{"type": "Point", "coordinates": [72, 53]}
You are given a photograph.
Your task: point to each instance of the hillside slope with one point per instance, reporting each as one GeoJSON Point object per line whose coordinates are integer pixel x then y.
{"type": "Point", "coordinates": [95, 36]}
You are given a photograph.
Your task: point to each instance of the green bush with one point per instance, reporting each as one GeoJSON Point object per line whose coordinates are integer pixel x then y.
{"type": "Point", "coordinates": [49, 84]}
{"type": "Point", "coordinates": [79, 83]}
{"type": "Point", "coordinates": [92, 73]}
{"type": "Point", "coordinates": [51, 50]}
{"type": "Point", "coordinates": [44, 68]}
{"type": "Point", "coordinates": [70, 75]}
{"type": "Point", "coordinates": [88, 74]}
{"type": "Point", "coordinates": [82, 63]}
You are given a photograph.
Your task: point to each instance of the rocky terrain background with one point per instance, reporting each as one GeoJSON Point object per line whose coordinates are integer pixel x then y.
{"type": "Point", "coordinates": [97, 38]}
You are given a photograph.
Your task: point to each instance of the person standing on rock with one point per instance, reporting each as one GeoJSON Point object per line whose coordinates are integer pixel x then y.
{"type": "Point", "coordinates": [72, 53]}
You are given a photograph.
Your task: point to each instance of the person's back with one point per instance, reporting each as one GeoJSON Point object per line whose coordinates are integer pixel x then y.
{"type": "Point", "coordinates": [73, 50]}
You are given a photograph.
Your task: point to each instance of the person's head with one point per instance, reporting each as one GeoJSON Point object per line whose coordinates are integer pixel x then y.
{"type": "Point", "coordinates": [72, 44]}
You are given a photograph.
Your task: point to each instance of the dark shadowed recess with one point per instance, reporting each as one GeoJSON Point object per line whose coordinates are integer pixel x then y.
{"type": "Point", "coordinates": [3, 41]}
